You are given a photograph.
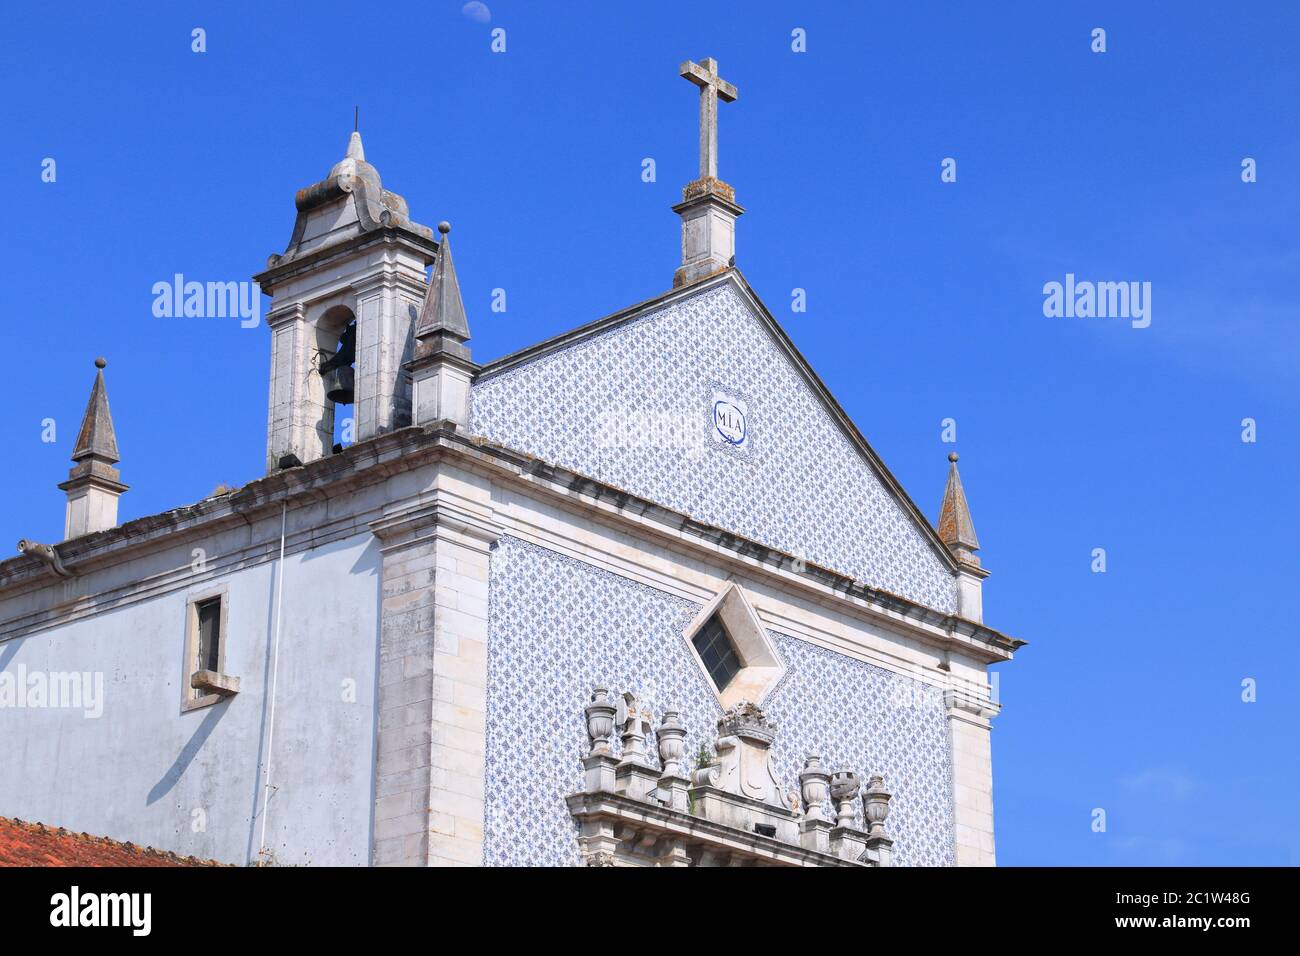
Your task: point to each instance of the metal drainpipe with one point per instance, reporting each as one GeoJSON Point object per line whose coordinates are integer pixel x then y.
{"type": "Point", "coordinates": [275, 669]}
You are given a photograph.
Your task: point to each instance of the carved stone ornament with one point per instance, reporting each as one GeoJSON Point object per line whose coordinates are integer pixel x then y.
{"type": "Point", "coordinates": [672, 745]}
{"type": "Point", "coordinates": [733, 811]}
{"type": "Point", "coordinates": [633, 718]}
{"type": "Point", "coordinates": [815, 783]}
{"type": "Point", "coordinates": [600, 720]}
{"type": "Point", "coordinates": [747, 719]}
{"type": "Point", "coordinates": [844, 791]}
{"type": "Point", "coordinates": [875, 805]}
{"type": "Point", "coordinates": [744, 752]}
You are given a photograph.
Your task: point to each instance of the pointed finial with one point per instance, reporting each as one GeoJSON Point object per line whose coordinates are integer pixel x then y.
{"type": "Point", "coordinates": [441, 369]}
{"type": "Point", "coordinates": [356, 119]}
{"type": "Point", "coordinates": [442, 323]}
{"type": "Point", "coordinates": [97, 438]}
{"type": "Point", "coordinates": [956, 529]}
{"type": "Point", "coordinates": [93, 484]}
{"type": "Point", "coordinates": [355, 149]}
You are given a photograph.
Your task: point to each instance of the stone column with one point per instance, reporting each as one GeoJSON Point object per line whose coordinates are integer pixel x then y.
{"type": "Point", "coordinates": [432, 687]}
{"type": "Point", "coordinates": [972, 776]}
{"type": "Point", "coordinates": [300, 422]}
{"type": "Point", "coordinates": [387, 306]}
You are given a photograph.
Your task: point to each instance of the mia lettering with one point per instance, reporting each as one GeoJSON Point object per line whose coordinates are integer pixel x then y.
{"type": "Point", "coordinates": [729, 420]}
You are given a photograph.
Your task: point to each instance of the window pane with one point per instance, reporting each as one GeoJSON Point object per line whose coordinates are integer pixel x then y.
{"type": "Point", "coordinates": [717, 652]}
{"type": "Point", "coordinates": [209, 613]}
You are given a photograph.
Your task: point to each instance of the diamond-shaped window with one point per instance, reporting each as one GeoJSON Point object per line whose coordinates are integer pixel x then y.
{"type": "Point", "coordinates": [732, 647]}
{"type": "Point", "coordinates": [717, 653]}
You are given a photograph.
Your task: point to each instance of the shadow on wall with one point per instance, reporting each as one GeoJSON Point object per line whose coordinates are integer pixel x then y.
{"type": "Point", "coordinates": [10, 651]}
{"type": "Point", "coordinates": [188, 752]}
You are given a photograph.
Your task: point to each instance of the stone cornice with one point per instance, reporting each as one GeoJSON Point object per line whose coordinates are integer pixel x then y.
{"type": "Point", "coordinates": [960, 702]}
{"type": "Point", "coordinates": [281, 271]}
{"type": "Point", "coordinates": [649, 819]}
{"type": "Point", "coordinates": [442, 357]}
{"type": "Point", "coordinates": [431, 519]}
{"type": "Point", "coordinates": [293, 311]}
{"type": "Point", "coordinates": [709, 199]}
{"type": "Point", "coordinates": [388, 277]}
{"type": "Point", "coordinates": [358, 466]}
{"type": "Point", "coordinates": [377, 459]}
{"type": "Point", "coordinates": [91, 480]}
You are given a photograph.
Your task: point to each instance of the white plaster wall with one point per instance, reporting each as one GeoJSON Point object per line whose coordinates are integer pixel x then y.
{"type": "Point", "coordinates": [140, 771]}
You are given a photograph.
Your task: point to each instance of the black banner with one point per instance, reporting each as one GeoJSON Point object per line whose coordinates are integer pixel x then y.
{"type": "Point", "coordinates": [335, 906]}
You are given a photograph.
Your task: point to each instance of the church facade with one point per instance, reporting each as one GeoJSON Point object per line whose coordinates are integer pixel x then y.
{"type": "Point", "coordinates": [641, 594]}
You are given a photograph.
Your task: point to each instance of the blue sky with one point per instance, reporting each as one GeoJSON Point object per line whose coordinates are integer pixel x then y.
{"type": "Point", "coordinates": [924, 302]}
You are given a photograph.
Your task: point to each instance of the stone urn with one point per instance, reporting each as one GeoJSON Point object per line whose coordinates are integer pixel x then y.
{"type": "Point", "coordinates": [844, 791]}
{"type": "Point", "coordinates": [815, 785]}
{"type": "Point", "coordinates": [671, 736]}
{"type": "Point", "coordinates": [875, 805]}
{"type": "Point", "coordinates": [600, 720]}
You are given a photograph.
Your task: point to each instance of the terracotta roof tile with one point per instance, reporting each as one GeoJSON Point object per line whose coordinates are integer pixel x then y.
{"type": "Point", "coordinates": [35, 844]}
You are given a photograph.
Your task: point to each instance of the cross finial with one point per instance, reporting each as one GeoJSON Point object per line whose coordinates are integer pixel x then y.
{"type": "Point", "coordinates": [712, 87]}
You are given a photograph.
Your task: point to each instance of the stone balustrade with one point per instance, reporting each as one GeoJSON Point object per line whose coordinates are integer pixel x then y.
{"type": "Point", "coordinates": [732, 810]}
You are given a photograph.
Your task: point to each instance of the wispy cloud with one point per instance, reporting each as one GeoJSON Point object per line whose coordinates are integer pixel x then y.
{"type": "Point", "coordinates": [1171, 782]}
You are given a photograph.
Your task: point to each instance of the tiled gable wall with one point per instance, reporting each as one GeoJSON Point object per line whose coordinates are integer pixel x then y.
{"type": "Point", "coordinates": [633, 407]}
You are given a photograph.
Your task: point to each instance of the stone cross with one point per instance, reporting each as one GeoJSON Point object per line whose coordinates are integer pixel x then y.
{"type": "Point", "coordinates": [705, 76]}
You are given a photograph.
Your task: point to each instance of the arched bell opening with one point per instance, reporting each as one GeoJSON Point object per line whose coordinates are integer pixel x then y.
{"type": "Point", "coordinates": [339, 369]}
{"type": "Point", "coordinates": [336, 353]}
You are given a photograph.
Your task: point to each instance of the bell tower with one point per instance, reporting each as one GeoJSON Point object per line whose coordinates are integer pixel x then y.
{"type": "Point", "coordinates": [345, 296]}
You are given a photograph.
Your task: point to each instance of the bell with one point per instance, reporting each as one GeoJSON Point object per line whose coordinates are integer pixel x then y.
{"type": "Point", "coordinates": [337, 371]}
{"type": "Point", "coordinates": [339, 384]}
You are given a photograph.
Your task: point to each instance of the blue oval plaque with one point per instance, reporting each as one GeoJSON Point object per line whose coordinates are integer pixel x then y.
{"type": "Point", "coordinates": [729, 420]}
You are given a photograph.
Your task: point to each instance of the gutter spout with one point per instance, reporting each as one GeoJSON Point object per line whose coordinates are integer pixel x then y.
{"type": "Point", "coordinates": [45, 553]}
